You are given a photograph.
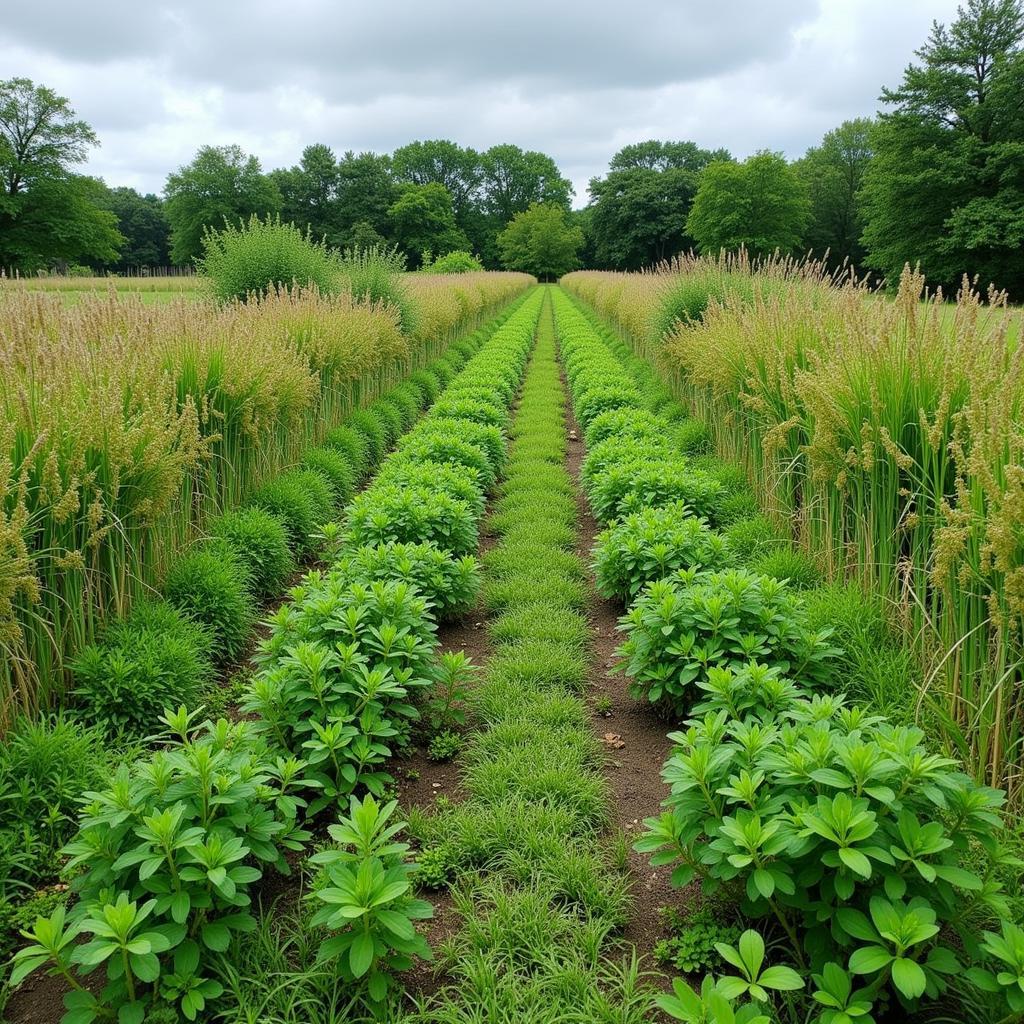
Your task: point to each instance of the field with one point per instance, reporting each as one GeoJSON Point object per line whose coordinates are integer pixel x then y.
{"type": "Point", "coordinates": [641, 647]}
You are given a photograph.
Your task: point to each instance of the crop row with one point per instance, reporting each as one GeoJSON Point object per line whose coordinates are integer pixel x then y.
{"type": "Point", "coordinates": [536, 894]}
{"type": "Point", "coordinates": [125, 427]}
{"type": "Point", "coordinates": [868, 861]}
{"type": "Point", "coordinates": [885, 432]}
{"type": "Point", "coordinates": [168, 854]}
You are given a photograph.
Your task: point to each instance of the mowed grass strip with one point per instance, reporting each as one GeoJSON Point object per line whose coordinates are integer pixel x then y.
{"type": "Point", "coordinates": [540, 894]}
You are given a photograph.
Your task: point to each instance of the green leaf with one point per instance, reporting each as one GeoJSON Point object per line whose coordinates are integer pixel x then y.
{"type": "Point", "coordinates": [869, 959]}
{"type": "Point", "coordinates": [361, 954]}
{"type": "Point", "coordinates": [908, 977]}
{"type": "Point", "coordinates": [785, 979]}
{"type": "Point", "coordinates": [855, 861]}
{"type": "Point", "coordinates": [132, 1013]}
{"type": "Point", "coordinates": [216, 936]}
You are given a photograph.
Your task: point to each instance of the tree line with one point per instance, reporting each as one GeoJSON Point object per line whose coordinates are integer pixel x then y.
{"type": "Point", "coordinates": [936, 178]}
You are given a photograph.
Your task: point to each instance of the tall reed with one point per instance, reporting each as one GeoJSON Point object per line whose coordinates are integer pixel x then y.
{"type": "Point", "coordinates": [124, 426]}
{"type": "Point", "coordinates": [887, 433]}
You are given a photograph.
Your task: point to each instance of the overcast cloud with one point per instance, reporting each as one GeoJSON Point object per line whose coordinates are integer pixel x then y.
{"type": "Point", "coordinates": [576, 80]}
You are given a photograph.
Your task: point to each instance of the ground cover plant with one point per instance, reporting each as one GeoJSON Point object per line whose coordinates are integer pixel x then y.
{"type": "Point", "coordinates": [916, 493]}
{"type": "Point", "coordinates": [536, 893]}
{"type": "Point", "coordinates": [150, 420]}
{"type": "Point", "coordinates": [332, 747]}
{"type": "Point", "coordinates": [900, 901]}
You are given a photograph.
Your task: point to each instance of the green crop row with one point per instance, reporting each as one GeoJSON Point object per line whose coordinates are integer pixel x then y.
{"type": "Point", "coordinates": [537, 897]}
{"type": "Point", "coordinates": [169, 850]}
{"type": "Point", "coordinates": [869, 862]}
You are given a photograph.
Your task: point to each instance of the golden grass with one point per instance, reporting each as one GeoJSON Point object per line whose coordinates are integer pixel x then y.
{"type": "Point", "coordinates": [888, 433]}
{"type": "Point", "coordinates": [124, 425]}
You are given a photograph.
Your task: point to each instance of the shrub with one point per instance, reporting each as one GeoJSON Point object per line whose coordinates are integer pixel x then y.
{"type": "Point", "coordinates": [446, 477]}
{"type": "Point", "coordinates": [376, 275]}
{"type": "Point", "coordinates": [46, 765]}
{"type": "Point", "coordinates": [287, 498]}
{"type": "Point", "coordinates": [449, 584]}
{"type": "Point", "coordinates": [597, 400]}
{"type": "Point", "coordinates": [343, 653]}
{"type": "Point", "coordinates": [411, 515]}
{"type": "Point", "coordinates": [165, 867]}
{"type": "Point", "coordinates": [683, 626]}
{"type": "Point", "coordinates": [651, 545]}
{"type": "Point", "coordinates": [408, 400]}
{"type": "Point", "coordinates": [632, 485]}
{"type": "Point", "coordinates": [251, 259]}
{"type": "Point", "coordinates": [212, 585]}
{"type": "Point", "coordinates": [456, 262]}
{"type": "Point", "coordinates": [352, 444]}
{"type": "Point", "coordinates": [475, 409]}
{"type": "Point", "coordinates": [369, 426]}
{"type": "Point", "coordinates": [154, 659]}
{"type": "Point", "coordinates": [447, 447]}
{"type": "Point", "coordinates": [484, 436]}
{"type": "Point", "coordinates": [624, 423]}
{"type": "Point", "coordinates": [865, 847]}
{"type": "Point", "coordinates": [335, 469]}
{"type": "Point", "coordinates": [260, 541]}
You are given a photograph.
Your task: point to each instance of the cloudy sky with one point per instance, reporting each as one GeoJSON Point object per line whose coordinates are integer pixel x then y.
{"type": "Point", "coordinates": [574, 79]}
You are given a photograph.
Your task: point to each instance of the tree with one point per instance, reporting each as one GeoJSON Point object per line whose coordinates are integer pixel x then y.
{"type": "Point", "coordinates": [223, 184]}
{"type": "Point", "coordinates": [639, 208]}
{"type": "Point", "coordinates": [760, 204]}
{"type": "Point", "coordinates": [444, 162]}
{"type": "Point", "coordinates": [61, 222]}
{"type": "Point", "coordinates": [422, 219]}
{"type": "Point", "coordinates": [834, 173]}
{"type": "Point", "coordinates": [542, 241]}
{"type": "Point", "coordinates": [309, 192]}
{"type": "Point", "coordinates": [946, 185]}
{"type": "Point", "coordinates": [48, 214]}
{"type": "Point", "coordinates": [512, 180]}
{"type": "Point", "coordinates": [142, 221]}
{"type": "Point", "coordinates": [366, 191]}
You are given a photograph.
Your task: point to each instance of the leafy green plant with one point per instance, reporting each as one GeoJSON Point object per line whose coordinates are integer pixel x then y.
{"type": "Point", "coordinates": [652, 544]}
{"type": "Point", "coordinates": [754, 980]}
{"type": "Point", "coordinates": [260, 541]}
{"type": "Point", "coordinates": [692, 946]}
{"type": "Point", "coordinates": [212, 585]}
{"type": "Point", "coordinates": [155, 658]}
{"type": "Point", "coordinates": [369, 428]}
{"type": "Point", "coordinates": [449, 584]}
{"type": "Point", "coordinates": [1006, 950]}
{"type": "Point", "coordinates": [411, 515]}
{"type": "Point", "coordinates": [710, 1006]}
{"type": "Point", "coordinates": [477, 410]}
{"type": "Point", "coordinates": [635, 484]}
{"type": "Point", "coordinates": [683, 626]}
{"type": "Point", "coordinates": [250, 259]}
{"type": "Point", "coordinates": [352, 444]}
{"type": "Point", "coordinates": [336, 675]}
{"type": "Point", "coordinates": [374, 275]}
{"type": "Point", "coordinates": [368, 901]}
{"type": "Point", "coordinates": [444, 745]}
{"type": "Point", "coordinates": [165, 854]}
{"type": "Point", "coordinates": [456, 262]}
{"type": "Point", "coordinates": [335, 469]}
{"type": "Point", "coordinates": [446, 699]}
{"type": "Point", "coordinates": [446, 477]}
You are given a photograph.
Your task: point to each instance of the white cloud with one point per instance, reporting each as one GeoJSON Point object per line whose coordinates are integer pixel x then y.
{"type": "Point", "coordinates": [576, 80]}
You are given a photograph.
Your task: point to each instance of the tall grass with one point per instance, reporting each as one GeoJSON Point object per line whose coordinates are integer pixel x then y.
{"type": "Point", "coordinates": [123, 426]}
{"type": "Point", "coordinates": [888, 433]}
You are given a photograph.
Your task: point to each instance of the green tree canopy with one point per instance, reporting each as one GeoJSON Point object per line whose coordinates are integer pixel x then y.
{"type": "Point", "coordinates": [639, 209]}
{"type": "Point", "coordinates": [946, 185]}
{"type": "Point", "coordinates": [309, 191]}
{"type": "Point", "coordinates": [422, 218]}
{"type": "Point", "coordinates": [223, 184]}
{"type": "Point", "coordinates": [444, 162]}
{"type": "Point", "coordinates": [833, 173]}
{"type": "Point", "coordinates": [760, 204]}
{"type": "Point", "coordinates": [366, 191]}
{"type": "Point", "coordinates": [142, 221]}
{"type": "Point", "coordinates": [543, 241]}
{"type": "Point", "coordinates": [48, 215]}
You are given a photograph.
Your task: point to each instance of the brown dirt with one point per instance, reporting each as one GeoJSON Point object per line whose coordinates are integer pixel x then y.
{"type": "Point", "coordinates": [634, 769]}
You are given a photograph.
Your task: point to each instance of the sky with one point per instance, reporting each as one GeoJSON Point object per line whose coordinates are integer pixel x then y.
{"type": "Point", "coordinates": [577, 80]}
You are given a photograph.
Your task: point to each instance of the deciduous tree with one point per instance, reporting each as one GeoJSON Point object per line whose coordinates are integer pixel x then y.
{"type": "Point", "coordinates": [542, 241]}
